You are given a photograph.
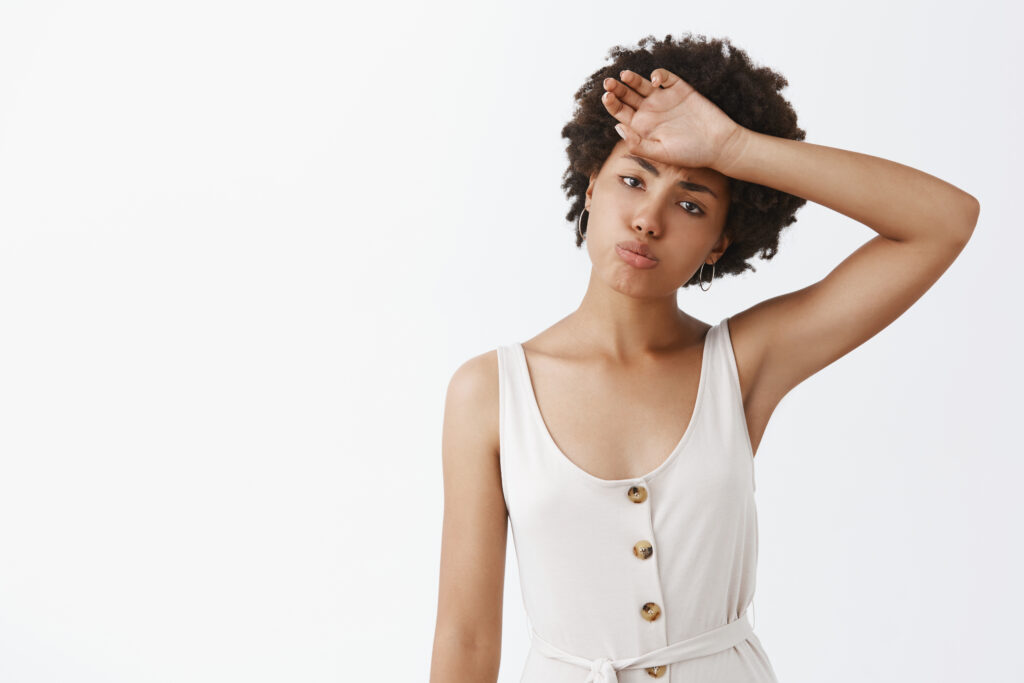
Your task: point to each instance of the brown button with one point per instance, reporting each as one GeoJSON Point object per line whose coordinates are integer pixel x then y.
{"type": "Point", "coordinates": [643, 549]}
{"type": "Point", "coordinates": [650, 611]}
{"type": "Point", "coordinates": [656, 671]}
{"type": "Point", "coordinates": [637, 494]}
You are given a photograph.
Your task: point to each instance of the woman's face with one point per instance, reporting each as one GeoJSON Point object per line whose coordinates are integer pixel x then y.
{"type": "Point", "coordinates": [661, 207]}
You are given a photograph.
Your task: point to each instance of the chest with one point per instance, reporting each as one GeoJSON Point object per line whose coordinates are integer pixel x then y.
{"type": "Point", "coordinates": [615, 423]}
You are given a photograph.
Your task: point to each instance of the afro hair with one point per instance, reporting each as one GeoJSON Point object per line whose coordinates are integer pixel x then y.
{"type": "Point", "coordinates": [725, 75]}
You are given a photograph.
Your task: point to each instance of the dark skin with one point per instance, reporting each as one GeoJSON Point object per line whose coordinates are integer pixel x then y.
{"type": "Point", "coordinates": [632, 357]}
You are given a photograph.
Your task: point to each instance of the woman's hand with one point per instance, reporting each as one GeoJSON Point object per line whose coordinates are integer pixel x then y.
{"type": "Point", "coordinates": [667, 120]}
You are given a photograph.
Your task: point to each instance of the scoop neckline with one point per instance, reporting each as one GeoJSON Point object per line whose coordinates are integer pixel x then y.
{"type": "Point", "coordinates": [538, 419]}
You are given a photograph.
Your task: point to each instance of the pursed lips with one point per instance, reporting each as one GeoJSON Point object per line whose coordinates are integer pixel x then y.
{"type": "Point", "coordinates": [637, 248]}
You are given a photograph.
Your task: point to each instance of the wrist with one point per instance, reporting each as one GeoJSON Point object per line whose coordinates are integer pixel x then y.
{"type": "Point", "coordinates": [733, 150]}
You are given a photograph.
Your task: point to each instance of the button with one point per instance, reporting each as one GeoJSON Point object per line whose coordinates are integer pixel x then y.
{"type": "Point", "coordinates": [650, 611]}
{"type": "Point", "coordinates": [656, 671]}
{"type": "Point", "coordinates": [637, 494]}
{"type": "Point", "coordinates": [643, 549]}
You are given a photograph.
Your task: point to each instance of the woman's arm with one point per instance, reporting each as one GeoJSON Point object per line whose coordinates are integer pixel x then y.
{"type": "Point", "coordinates": [896, 201]}
{"type": "Point", "coordinates": [467, 636]}
{"type": "Point", "coordinates": [922, 223]}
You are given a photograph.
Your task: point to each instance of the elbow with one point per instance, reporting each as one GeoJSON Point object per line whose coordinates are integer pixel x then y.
{"type": "Point", "coordinates": [964, 219]}
{"type": "Point", "coordinates": [973, 211]}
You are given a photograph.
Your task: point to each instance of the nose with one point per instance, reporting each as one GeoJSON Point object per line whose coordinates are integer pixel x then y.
{"type": "Point", "coordinates": [649, 212]}
{"type": "Point", "coordinates": [647, 221]}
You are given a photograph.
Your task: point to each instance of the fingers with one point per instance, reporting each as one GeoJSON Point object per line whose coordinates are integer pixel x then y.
{"type": "Point", "coordinates": [622, 93]}
{"type": "Point", "coordinates": [663, 78]}
{"type": "Point", "coordinates": [636, 82]}
{"type": "Point", "coordinates": [617, 108]}
{"type": "Point", "coordinates": [627, 134]}
{"type": "Point", "coordinates": [623, 98]}
{"type": "Point", "coordinates": [636, 143]}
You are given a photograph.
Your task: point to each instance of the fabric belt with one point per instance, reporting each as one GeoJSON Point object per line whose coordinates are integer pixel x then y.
{"type": "Point", "coordinates": [603, 670]}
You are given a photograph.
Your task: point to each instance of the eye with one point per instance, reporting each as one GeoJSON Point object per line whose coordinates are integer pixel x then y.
{"type": "Point", "coordinates": [698, 212]}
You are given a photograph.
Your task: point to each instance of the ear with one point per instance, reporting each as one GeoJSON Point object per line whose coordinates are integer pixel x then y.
{"type": "Point", "coordinates": [590, 187]}
{"type": "Point", "coordinates": [720, 246]}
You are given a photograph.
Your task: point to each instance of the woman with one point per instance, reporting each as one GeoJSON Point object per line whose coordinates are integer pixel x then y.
{"type": "Point", "coordinates": [635, 564]}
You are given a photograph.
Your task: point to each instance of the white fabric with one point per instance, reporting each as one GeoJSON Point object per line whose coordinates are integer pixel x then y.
{"type": "Point", "coordinates": [581, 584]}
{"type": "Point", "coordinates": [603, 670]}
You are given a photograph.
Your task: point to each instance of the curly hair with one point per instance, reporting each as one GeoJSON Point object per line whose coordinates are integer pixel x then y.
{"type": "Point", "coordinates": [725, 75]}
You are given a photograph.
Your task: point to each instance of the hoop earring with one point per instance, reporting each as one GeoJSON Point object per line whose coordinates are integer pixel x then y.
{"type": "Point", "coordinates": [700, 275]}
{"type": "Point", "coordinates": [579, 227]}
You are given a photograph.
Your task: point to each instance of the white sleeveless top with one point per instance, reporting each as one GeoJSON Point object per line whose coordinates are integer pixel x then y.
{"type": "Point", "coordinates": [631, 580]}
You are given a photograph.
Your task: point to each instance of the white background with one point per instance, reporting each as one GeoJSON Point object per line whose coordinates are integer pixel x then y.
{"type": "Point", "coordinates": [244, 245]}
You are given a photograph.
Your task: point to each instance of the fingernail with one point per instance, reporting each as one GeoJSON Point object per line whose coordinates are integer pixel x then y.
{"type": "Point", "coordinates": [618, 129]}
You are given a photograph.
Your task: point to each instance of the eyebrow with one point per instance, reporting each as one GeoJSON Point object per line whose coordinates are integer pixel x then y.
{"type": "Point", "coordinates": [685, 184]}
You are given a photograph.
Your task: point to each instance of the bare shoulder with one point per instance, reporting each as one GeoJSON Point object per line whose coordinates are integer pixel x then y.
{"type": "Point", "coordinates": [472, 398]}
{"type": "Point", "coordinates": [746, 331]}
{"type": "Point", "coordinates": [475, 518]}
{"type": "Point", "coordinates": [787, 338]}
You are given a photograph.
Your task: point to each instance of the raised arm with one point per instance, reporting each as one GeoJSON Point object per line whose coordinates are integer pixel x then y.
{"type": "Point", "coordinates": [922, 223]}
{"type": "Point", "coordinates": [467, 635]}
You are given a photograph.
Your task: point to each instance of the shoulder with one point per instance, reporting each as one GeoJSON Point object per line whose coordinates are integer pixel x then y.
{"type": "Point", "coordinates": [747, 332]}
{"type": "Point", "coordinates": [471, 400]}
{"type": "Point", "coordinates": [476, 378]}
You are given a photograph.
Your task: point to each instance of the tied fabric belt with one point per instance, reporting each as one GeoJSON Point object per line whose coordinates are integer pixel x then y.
{"type": "Point", "coordinates": [604, 670]}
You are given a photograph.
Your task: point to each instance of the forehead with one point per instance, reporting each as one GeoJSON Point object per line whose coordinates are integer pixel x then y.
{"type": "Point", "coordinates": [692, 178]}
